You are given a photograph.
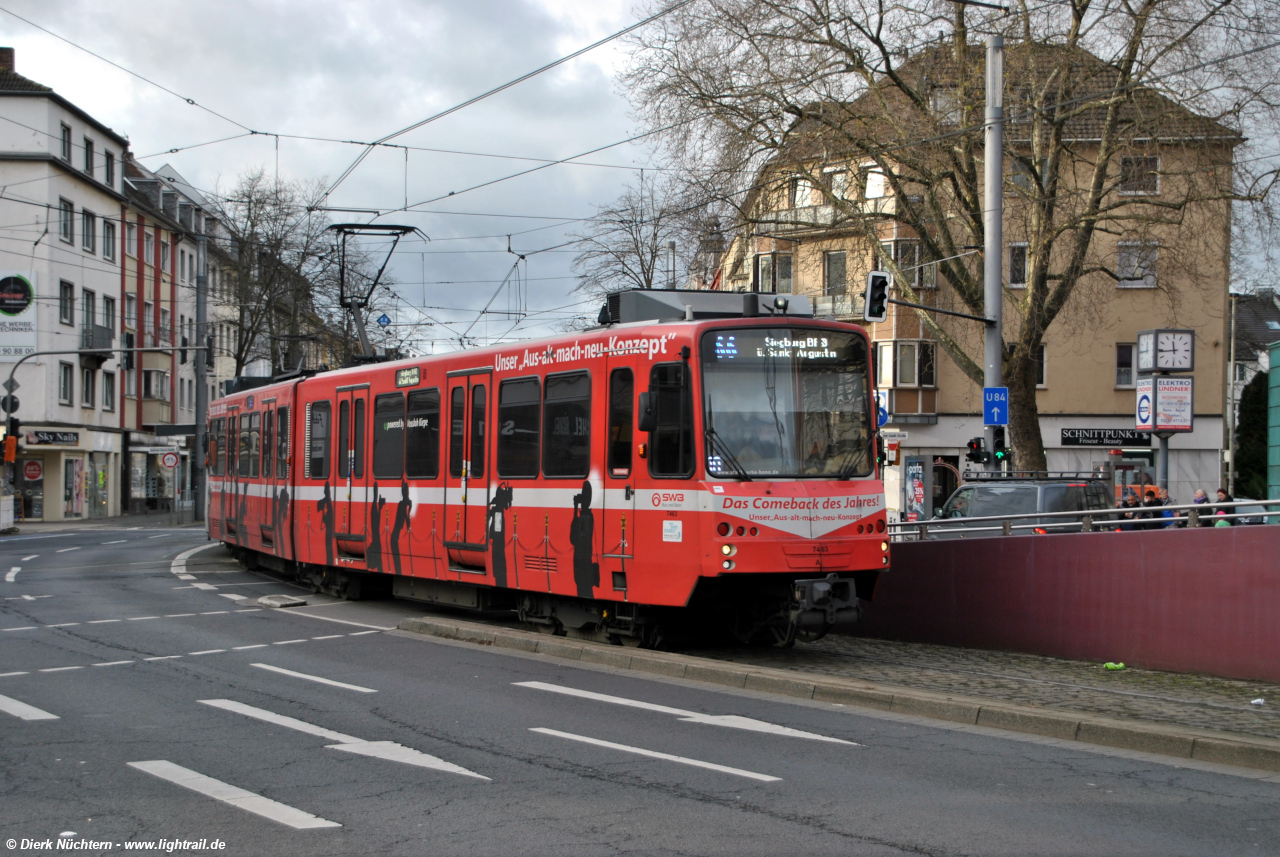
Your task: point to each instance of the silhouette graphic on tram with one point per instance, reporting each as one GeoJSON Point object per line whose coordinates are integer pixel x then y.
{"type": "Point", "coordinates": [502, 499]}
{"type": "Point", "coordinates": [586, 572]}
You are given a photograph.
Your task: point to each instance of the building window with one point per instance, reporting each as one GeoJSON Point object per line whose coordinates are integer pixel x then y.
{"type": "Point", "coordinates": [109, 168]}
{"type": "Point", "coordinates": [131, 311]}
{"type": "Point", "coordinates": [66, 143]}
{"type": "Point", "coordinates": [1136, 264]}
{"type": "Point", "coordinates": [908, 254]}
{"type": "Point", "coordinates": [799, 192]}
{"type": "Point", "coordinates": [108, 240]}
{"type": "Point", "coordinates": [89, 307]}
{"type": "Point", "coordinates": [88, 230]}
{"type": "Point", "coordinates": [166, 335]}
{"type": "Point", "coordinates": [1124, 364]}
{"type": "Point", "coordinates": [66, 303]}
{"type": "Point", "coordinates": [87, 385]}
{"type": "Point", "coordinates": [182, 265]}
{"type": "Point", "coordinates": [1140, 176]}
{"type": "Point", "coordinates": [131, 384]}
{"type": "Point", "coordinates": [88, 156]}
{"type": "Point", "coordinates": [833, 272]}
{"type": "Point", "coordinates": [108, 391]}
{"type": "Point", "coordinates": [1241, 372]}
{"type": "Point", "coordinates": [773, 273]}
{"type": "Point", "coordinates": [1017, 266]}
{"type": "Point", "coordinates": [884, 364]}
{"type": "Point", "coordinates": [131, 239]}
{"type": "Point", "coordinates": [66, 221]}
{"type": "Point", "coordinates": [109, 314]}
{"type": "Point", "coordinates": [874, 185]}
{"type": "Point", "coordinates": [914, 364]}
{"type": "Point", "coordinates": [838, 183]}
{"type": "Point", "coordinates": [1038, 358]}
{"type": "Point", "coordinates": [148, 247]}
{"type": "Point", "coordinates": [164, 255]}
{"type": "Point", "coordinates": [946, 106]}
{"type": "Point", "coordinates": [66, 378]}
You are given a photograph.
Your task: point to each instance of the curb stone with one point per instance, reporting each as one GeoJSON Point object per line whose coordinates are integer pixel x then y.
{"type": "Point", "coordinates": [1201, 745]}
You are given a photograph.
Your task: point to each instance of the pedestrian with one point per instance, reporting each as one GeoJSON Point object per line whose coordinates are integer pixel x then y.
{"type": "Point", "coordinates": [1129, 504]}
{"type": "Point", "coordinates": [1224, 497]}
{"type": "Point", "coordinates": [1170, 516]}
{"type": "Point", "coordinates": [1202, 499]}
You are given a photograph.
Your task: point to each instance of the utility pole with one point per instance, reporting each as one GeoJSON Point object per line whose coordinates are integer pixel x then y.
{"type": "Point", "coordinates": [202, 385]}
{"type": "Point", "coordinates": [993, 230]}
{"type": "Point", "coordinates": [1231, 404]}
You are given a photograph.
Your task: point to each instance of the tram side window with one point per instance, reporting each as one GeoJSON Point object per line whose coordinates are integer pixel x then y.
{"type": "Point", "coordinates": [243, 456]}
{"type": "Point", "coordinates": [217, 446]}
{"type": "Point", "coordinates": [268, 430]}
{"type": "Point", "coordinates": [672, 439]}
{"type": "Point", "coordinates": [358, 429]}
{"type": "Point", "coordinates": [519, 406]}
{"type": "Point", "coordinates": [457, 429]}
{"type": "Point", "coordinates": [318, 430]}
{"type": "Point", "coordinates": [255, 443]}
{"type": "Point", "coordinates": [422, 435]}
{"type": "Point", "coordinates": [388, 436]}
{"type": "Point", "coordinates": [344, 440]}
{"type": "Point", "coordinates": [621, 404]}
{"type": "Point", "coordinates": [566, 419]}
{"type": "Point", "coordinates": [282, 443]}
{"type": "Point", "coordinates": [476, 446]}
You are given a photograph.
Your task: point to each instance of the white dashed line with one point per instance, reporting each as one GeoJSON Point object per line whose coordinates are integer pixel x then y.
{"type": "Point", "coordinates": [214, 613]}
{"type": "Point", "coordinates": [63, 625]}
{"type": "Point", "coordinates": [23, 628]}
{"type": "Point", "coordinates": [66, 550]}
{"type": "Point", "coordinates": [256, 646]}
{"type": "Point", "coordinates": [207, 652]}
{"type": "Point", "coordinates": [27, 558]}
{"type": "Point", "coordinates": [329, 637]}
{"type": "Point", "coordinates": [208, 587]}
{"type": "Point", "coordinates": [142, 618]}
{"type": "Point", "coordinates": [104, 621]}
{"type": "Point", "coordinates": [177, 615]}
{"type": "Point", "coordinates": [251, 610]}
{"type": "Point", "coordinates": [112, 663]}
{"type": "Point", "coordinates": [233, 795]}
{"type": "Point", "coordinates": [6, 675]}
{"type": "Point", "coordinates": [119, 542]}
{"type": "Point", "coordinates": [59, 669]}
{"type": "Point", "coordinates": [357, 688]}
{"type": "Point", "coordinates": [362, 633]}
{"type": "Point", "coordinates": [287, 642]}
{"type": "Point", "coordinates": [653, 754]}
{"type": "Point", "coordinates": [233, 596]}
{"type": "Point", "coordinates": [24, 711]}
{"type": "Point", "coordinates": [163, 658]}
{"type": "Point", "coordinates": [13, 574]}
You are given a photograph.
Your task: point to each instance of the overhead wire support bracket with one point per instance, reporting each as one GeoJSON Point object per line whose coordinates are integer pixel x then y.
{"type": "Point", "coordinates": [358, 302]}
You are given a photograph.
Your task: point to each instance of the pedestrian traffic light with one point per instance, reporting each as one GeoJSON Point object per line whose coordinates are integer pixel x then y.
{"type": "Point", "coordinates": [875, 300]}
{"type": "Point", "coordinates": [976, 453]}
{"type": "Point", "coordinates": [999, 451]}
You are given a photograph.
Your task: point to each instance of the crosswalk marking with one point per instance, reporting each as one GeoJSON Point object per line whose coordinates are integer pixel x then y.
{"type": "Point", "coordinates": [23, 711]}
{"type": "Point", "coordinates": [233, 795]}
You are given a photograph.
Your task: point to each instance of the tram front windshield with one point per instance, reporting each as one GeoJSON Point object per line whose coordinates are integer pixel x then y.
{"type": "Point", "coordinates": [785, 402]}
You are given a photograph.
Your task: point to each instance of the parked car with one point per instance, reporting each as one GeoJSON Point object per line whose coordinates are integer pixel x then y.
{"type": "Point", "coordinates": [1257, 513]}
{"type": "Point", "coordinates": [1023, 493]}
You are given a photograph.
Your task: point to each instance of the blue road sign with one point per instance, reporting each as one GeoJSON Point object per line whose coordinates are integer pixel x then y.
{"type": "Point", "coordinates": [882, 409]}
{"type": "Point", "coordinates": [995, 406]}
{"type": "Point", "coordinates": [384, 320]}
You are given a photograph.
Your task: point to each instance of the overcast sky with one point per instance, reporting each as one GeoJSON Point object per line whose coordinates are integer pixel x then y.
{"type": "Point", "coordinates": [359, 71]}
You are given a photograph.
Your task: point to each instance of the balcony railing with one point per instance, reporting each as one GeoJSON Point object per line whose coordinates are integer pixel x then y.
{"type": "Point", "coordinates": [96, 337]}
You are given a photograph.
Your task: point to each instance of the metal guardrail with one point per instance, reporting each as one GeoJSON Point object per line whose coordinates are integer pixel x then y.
{"type": "Point", "coordinates": [1087, 521]}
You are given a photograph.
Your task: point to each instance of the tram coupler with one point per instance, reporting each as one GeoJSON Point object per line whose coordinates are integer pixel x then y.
{"type": "Point", "coordinates": [823, 604]}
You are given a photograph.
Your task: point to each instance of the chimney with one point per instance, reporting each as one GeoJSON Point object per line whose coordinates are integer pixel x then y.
{"type": "Point", "coordinates": [6, 59]}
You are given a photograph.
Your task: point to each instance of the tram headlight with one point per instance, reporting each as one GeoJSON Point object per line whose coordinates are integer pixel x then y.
{"type": "Point", "coordinates": [728, 550]}
{"type": "Point", "coordinates": [727, 565]}
{"type": "Point", "coordinates": [884, 546]}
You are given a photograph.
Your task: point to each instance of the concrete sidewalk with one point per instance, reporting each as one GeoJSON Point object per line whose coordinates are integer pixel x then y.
{"type": "Point", "coordinates": [123, 522]}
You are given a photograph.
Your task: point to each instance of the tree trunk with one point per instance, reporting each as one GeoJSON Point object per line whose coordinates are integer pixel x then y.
{"type": "Point", "coordinates": [1024, 414]}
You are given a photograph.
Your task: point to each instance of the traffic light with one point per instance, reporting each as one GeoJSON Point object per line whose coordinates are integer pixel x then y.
{"type": "Point", "coordinates": [999, 451]}
{"type": "Point", "coordinates": [875, 300]}
{"type": "Point", "coordinates": [976, 453]}
{"type": "Point", "coordinates": [11, 440]}
{"type": "Point", "coordinates": [881, 456]}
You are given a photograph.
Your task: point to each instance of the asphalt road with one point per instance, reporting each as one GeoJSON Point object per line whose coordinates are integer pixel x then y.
{"type": "Point", "coordinates": [139, 705]}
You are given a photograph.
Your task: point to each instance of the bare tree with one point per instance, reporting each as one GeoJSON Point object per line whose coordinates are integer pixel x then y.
{"type": "Point", "coordinates": [1104, 99]}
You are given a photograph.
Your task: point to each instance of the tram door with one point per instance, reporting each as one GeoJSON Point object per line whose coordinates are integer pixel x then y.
{"type": "Point", "coordinates": [268, 516]}
{"type": "Point", "coordinates": [352, 488]}
{"type": "Point", "coordinates": [617, 531]}
{"type": "Point", "coordinates": [467, 478]}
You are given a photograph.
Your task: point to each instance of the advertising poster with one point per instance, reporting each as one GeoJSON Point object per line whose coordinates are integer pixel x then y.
{"type": "Point", "coordinates": [1174, 404]}
{"type": "Point", "coordinates": [17, 315]}
{"type": "Point", "coordinates": [914, 489]}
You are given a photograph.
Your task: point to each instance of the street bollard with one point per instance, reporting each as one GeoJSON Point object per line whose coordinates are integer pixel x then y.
{"type": "Point", "coordinates": [1006, 527]}
{"type": "Point", "coordinates": [1193, 517]}
{"type": "Point", "coordinates": [1086, 524]}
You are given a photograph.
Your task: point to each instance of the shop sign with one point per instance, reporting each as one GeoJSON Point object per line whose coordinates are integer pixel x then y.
{"type": "Point", "coordinates": [17, 314]}
{"type": "Point", "coordinates": [53, 438]}
{"type": "Point", "coordinates": [1105, 437]}
{"type": "Point", "coordinates": [1174, 401]}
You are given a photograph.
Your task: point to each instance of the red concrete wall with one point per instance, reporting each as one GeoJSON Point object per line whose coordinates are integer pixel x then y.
{"type": "Point", "coordinates": [1191, 600]}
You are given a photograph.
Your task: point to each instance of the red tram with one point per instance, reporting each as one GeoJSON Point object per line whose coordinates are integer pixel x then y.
{"type": "Point", "coordinates": [698, 456]}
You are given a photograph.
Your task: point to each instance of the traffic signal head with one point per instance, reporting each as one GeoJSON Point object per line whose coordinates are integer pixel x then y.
{"type": "Point", "coordinates": [875, 300]}
{"type": "Point", "coordinates": [999, 451]}
{"type": "Point", "coordinates": [976, 451]}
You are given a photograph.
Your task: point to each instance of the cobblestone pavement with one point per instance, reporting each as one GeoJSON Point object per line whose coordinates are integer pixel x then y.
{"type": "Point", "coordinates": [1202, 702]}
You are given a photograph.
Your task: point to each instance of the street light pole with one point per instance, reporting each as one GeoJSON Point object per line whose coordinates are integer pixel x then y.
{"type": "Point", "coordinates": [993, 231]}
{"type": "Point", "coordinates": [202, 385]}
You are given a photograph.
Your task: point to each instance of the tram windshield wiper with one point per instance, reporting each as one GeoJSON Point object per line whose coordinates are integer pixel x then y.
{"type": "Point", "coordinates": [722, 449]}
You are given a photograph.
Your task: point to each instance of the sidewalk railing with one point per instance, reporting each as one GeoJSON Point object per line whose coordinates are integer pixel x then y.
{"type": "Point", "coordinates": [1087, 521]}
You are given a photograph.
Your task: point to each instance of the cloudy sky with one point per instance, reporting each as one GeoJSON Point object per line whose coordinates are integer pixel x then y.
{"type": "Point", "coordinates": [360, 71]}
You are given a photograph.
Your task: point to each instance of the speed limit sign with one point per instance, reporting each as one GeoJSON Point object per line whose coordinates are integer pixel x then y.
{"type": "Point", "coordinates": [169, 459]}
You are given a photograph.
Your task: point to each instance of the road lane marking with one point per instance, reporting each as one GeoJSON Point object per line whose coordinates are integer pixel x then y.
{"type": "Point", "coordinates": [59, 669]}
{"type": "Point", "coordinates": [13, 574]}
{"type": "Point", "coordinates": [113, 663]}
{"type": "Point", "coordinates": [177, 615]}
{"type": "Point", "coordinates": [142, 618]}
{"type": "Point", "coordinates": [6, 675]}
{"type": "Point", "coordinates": [329, 637]}
{"type": "Point", "coordinates": [214, 613]}
{"type": "Point", "coordinates": [394, 752]}
{"type": "Point", "coordinates": [104, 621]}
{"type": "Point", "coordinates": [207, 652]}
{"type": "Point", "coordinates": [23, 628]}
{"type": "Point", "coordinates": [378, 749]}
{"type": "Point", "coordinates": [65, 550]}
{"type": "Point", "coordinates": [252, 610]}
{"type": "Point", "coordinates": [179, 564]}
{"type": "Point", "coordinates": [27, 558]}
{"type": "Point", "coordinates": [255, 646]}
{"type": "Point", "coordinates": [287, 642]}
{"type": "Point", "coordinates": [163, 658]}
{"type": "Point", "coordinates": [23, 711]}
{"type": "Point", "coordinates": [297, 612]}
{"type": "Point", "coordinates": [732, 721]}
{"type": "Point", "coordinates": [208, 587]}
{"type": "Point", "coordinates": [357, 688]}
{"type": "Point", "coordinates": [362, 633]}
{"type": "Point", "coordinates": [186, 577]}
{"type": "Point", "coordinates": [233, 596]}
{"type": "Point", "coordinates": [117, 542]}
{"type": "Point", "coordinates": [653, 754]}
{"type": "Point", "coordinates": [232, 795]}
{"type": "Point", "coordinates": [63, 625]}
